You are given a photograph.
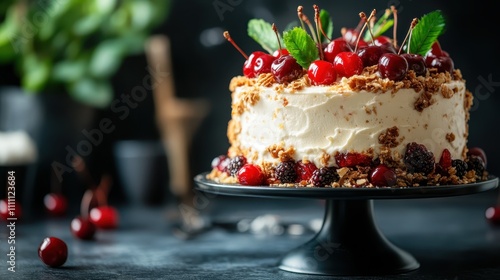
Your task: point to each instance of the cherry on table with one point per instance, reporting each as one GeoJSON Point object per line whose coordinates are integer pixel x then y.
{"type": "Point", "coordinates": [53, 251]}
{"type": "Point", "coordinates": [104, 217]}
{"type": "Point", "coordinates": [56, 204]}
{"type": "Point", "coordinates": [16, 209]}
{"type": "Point", "coordinates": [82, 228]}
{"type": "Point", "coordinates": [492, 214]}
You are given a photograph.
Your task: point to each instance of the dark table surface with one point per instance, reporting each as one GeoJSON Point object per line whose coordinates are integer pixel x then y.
{"type": "Point", "coordinates": [448, 236]}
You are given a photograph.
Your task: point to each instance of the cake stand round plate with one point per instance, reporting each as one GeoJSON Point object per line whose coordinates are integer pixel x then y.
{"type": "Point", "coordinates": [349, 242]}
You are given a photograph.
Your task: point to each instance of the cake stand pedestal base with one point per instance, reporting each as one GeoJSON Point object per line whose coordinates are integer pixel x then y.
{"type": "Point", "coordinates": [349, 243]}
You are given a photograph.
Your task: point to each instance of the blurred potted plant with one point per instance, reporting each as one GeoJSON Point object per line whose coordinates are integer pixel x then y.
{"type": "Point", "coordinates": [63, 54]}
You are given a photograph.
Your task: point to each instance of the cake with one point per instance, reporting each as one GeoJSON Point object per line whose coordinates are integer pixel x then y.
{"type": "Point", "coordinates": [354, 113]}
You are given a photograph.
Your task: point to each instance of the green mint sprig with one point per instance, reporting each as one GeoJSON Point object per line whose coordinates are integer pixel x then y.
{"type": "Point", "coordinates": [262, 32]}
{"type": "Point", "coordinates": [301, 46]}
{"type": "Point", "coordinates": [428, 29]}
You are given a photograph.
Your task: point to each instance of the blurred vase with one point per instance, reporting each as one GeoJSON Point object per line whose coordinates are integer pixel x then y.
{"type": "Point", "coordinates": [142, 171]}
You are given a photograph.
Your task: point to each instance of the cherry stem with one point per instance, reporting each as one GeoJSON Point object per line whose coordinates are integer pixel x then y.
{"type": "Point", "coordinates": [395, 26]}
{"type": "Point", "coordinates": [317, 20]}
{"type": "Point", "coordinates": [228, 37]}
{"type": "Point", "coordinates": [307, 21]}
{"type": "Point", "coordinates": [299, 14]}
{"type": "Point", "coordinates": [102, 190]}
{"type": "Point", "coordinates": [275, 29]}
{"type": "Point", "coordinates": [370, 22]}
{"type": "Point", "coordinates": [408, 36]}
{"type": "Point", "coordinates": [86, 202]}
{"type": "Point", "coordinates": [362, 15]}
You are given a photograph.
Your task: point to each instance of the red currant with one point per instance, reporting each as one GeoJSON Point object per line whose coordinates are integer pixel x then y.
{"type": "Point", "coordinates": [15, 210]}
{"type": "Point", "coordinates": [304, 170]}
{"type": "Point", "coordinates": [104, 217]}
{"type": "Point", "coordinates": [416, 63]}
{"type": "Point", "coordinates": [82, 228]}
{"type": "Point", "coordinates": [347, 64]}
{"type": "Point", "coordinates": [352, 159]}
{"type": "Point", "coordinates": [383, 176]}
{"type": "Point", "coordinates": [286, 69]}
{"type": "Point", "coordinates": [322, 73]}
{"type": "Point", "coordinates": [392, 66]}
{"type": "Point", "coordinates": [250, 175]}
{"type": "Point", "coordinates": [445, 160]}
{"type": "Point", "coordinates": [335, 47]}
{"type": "Point", "coordinates": [56, 204]}
{"type": "Point", "coordinates": [493, 215]}
{"type": "Point", "coordinates": [53, 251]}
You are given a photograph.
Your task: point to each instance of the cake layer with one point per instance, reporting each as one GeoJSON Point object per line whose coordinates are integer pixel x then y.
{"type": "Point", "coordinates": [315, 123]}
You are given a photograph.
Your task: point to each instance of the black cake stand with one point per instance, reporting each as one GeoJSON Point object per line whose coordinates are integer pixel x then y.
{"type": "Point", "coordinates": [349, 242]}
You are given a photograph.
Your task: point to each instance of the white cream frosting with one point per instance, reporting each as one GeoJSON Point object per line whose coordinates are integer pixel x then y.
{"type": "Point", "coordinates": [317, 120]}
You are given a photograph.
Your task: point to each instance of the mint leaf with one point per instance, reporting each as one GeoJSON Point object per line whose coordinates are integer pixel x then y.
{"type": "Point", "coordinates": [262, 32]}
{"type": "Point", "coordinates": [326, 24]}
{"type": "Point", "coordinates": [301, 46]}
{"type": "Point", "coordinates": [426, 32]}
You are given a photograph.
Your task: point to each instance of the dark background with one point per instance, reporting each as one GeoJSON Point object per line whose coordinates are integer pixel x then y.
{"type": "Point", "coordinates": [204, 69]}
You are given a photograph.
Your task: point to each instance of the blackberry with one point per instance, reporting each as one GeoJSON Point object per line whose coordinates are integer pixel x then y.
{"type": "Point", "coordinates": [235, 165]}
{"type": "Point", "coordinates": [285, 172]}
{"type": "Point", "coordinates": [323, 176]}
{"type": "Point", "coordinates": [460, 166]}
{"type": "Point", "coordinates": [418, 159]}
{"type": "Point", "coordinates": [477, 164]}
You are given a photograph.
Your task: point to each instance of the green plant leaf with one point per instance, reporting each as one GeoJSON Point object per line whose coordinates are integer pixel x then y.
{"type": "Point", "coordinates": [380, 26]}
{"type": "Point", "coordinates": [428, 29]}
{"type": "Point", "coordinates": [94, 92]}
{"type": "Point", "coordinates": [301, 46]}
{"type": "Point", "coordinates": [326, 24]}
{"type": "Point", "coordinates": [262, 32]}
{"type": "Point", "coordinates": [35, 72]}
{"type": "Point", "coordinates": [69, 70]}
{"type": "Point", "coordinates": [106, 58]}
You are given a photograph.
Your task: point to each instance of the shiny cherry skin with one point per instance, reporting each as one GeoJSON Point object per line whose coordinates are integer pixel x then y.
{"type": "Point", "coordinates": [53, 251]}
{"type": "Point", "coordinates": [435, 51]}
{"type": "Point", "coordinates": [104, 217]}
{"type": "Point", "coordinates": [251, 175]}
{"type": "Point", "coordinates": [350, 36]}
{"type": "Point", "coordinates": [280, 52]}
{"type": "Point", "coordinates": [56, 204]}
{"type": "Point", "coordinates": [263, 64]}
{"type": "Point", "coordinates": [82, 228]}
{"type": "Point", "coordinates": [416, 63]}
{"type": "Point", "coordinates": [322, 72]}
{"type": "Point", "coordinates": [370, 55]}
{"type": "Point", "coordinates": [442, 63]}
{"type": "Point", "coordinates": [15, 207]}
{"type": "Point", "coordinates": [476, 151]}
{"type": "Point", "coordinates": [492, 214]}
{"type": "Point", "coordinates": [249, 65]}
{"type": "Point", "coordinates": [382, 40]}
{"type": "Point", "coordinates": [382, 176]}
{"type": "Point", "coordinates": [335, 47]}
{"type": "Point", "coordinates": [392, 66]}
{"type": "Point", "coordinates": [347, 64]}
{"type": "Point", "coordinates": [286, 69]}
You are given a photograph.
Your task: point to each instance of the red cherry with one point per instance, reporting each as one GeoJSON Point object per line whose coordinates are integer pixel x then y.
{"type": "Point", "coordinates": [322, 73]}
{"type": "Point", "coordinates": [382, 40]}
{"type": "Point", "coordinates": [442, 63]}
{"type": "Point", "coordinates": [82, 228]}
{"type": "Point", "coordinates": [249, 65]}
{"type": "Point", "coordinates": [416, 63]}
{"type": "Point", "coordinates": [56, 204]}
{"type": "Point", "coordinates": [392, 66]}
{"type": "Point", "coordinates": [15, 210]}
{"type": "Point", "coordinates": [370, 55]}
{"type": "Point", "coordinates": [350, 36]}
{"type": "Point", "coordinates": [304, 170]}
{"type": "Point", "coordinates": [335, 47]}
{"type": "Point", "coordinates": [263, 64]}
{"type": "Point", "coordinates": [53, 251]}
{"type": "Point", "coordinates": [104, 217]}
{"type": "Point", "coordinates": [493, 215]}
{"type": "Point", "coordinates": [435, 50]}
{"type": "Point", "coordinates": [476, 151]}
{"type": "Point", "coordinates": [352, 159]}
{"type": "Point", "coordinates": [251, 175]}
{"type": "Point", "coordinates": [280, 52]}
{"type": "Point", "coordinates": [347, 64]}
{"type": "Point", "coordinates": [383, 176]}
{"type": "Point", "coordinates": [286, 69]}
{"type": "Point", "coordinates": [445, 160]}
